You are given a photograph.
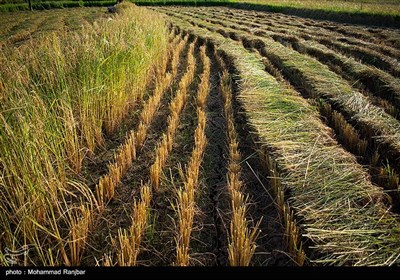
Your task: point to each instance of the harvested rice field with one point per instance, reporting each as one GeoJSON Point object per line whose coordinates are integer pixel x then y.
{"type": "Point", "coordinates": [198, 136]}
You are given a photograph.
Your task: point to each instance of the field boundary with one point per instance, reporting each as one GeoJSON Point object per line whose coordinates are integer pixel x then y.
{"type": "Point", "coordinates": [353, 17]}
{"type": "Point", "coordinates": [48, 5]}
{"type": "Point", "coordinates": [359, 17]}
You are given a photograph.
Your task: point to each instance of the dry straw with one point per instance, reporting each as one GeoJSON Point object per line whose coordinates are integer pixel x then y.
{"type": "Point", "coordinates": [185, 202]}
{"type": "Point", "coordinates": [339, 211]}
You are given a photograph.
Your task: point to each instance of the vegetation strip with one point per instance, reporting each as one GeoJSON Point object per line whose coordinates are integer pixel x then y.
{"type": "Point", "coordinates": [186, 194]}
{"type": "Point", "coordinates": [368, 48]}
{"type": "Point", "coordinates": [176, 107]}
{"type": "Point", "coordinates": [242, 244]}
{"type": "Point", "coordinates": [383, 172]}
{"type": "Point", "coordinates": [381, 130]}
{"type": "Point", "coordinates": [127, 242]}
{"type": "Point", "coordinates": [319, 174]}
{"type": "Point", "coordinates": [383, 83]}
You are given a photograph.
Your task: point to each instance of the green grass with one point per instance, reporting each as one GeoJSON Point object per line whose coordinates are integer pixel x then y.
{"type": "Point", "coordinates": [388, 7]}
{"type": "Point", "coordinates": [340, 211]}
{"type": "Point", "coordinates": [45, 5]}
{"type": "Point", "coordinates": [370, 12]}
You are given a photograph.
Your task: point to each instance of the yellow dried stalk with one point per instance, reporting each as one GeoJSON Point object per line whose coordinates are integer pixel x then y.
{"type": "Point", "coordinates": [242, 244]}
{"type": "Point", "coordinates": [127, 243]}
{"type": "Point", "coordinates": [185, 196]}
{"type": "Point", "coordinates": [346, 132]}
{"type": "Point", "coordinates": [205, 82]}
{"type": "Point", "coordinates": [292, 231]}
{"type": "Point", "coordinates": [107, 260]}
{"type": "Point", "coordinates": [80, 223]}
{"type": "Point", "coordinates": [186, 209]}
{"type": "Point", "coordinates": [73, 145]}
{"type": "Point", "coordinates": [163, 81]}
{"type": "Point", "coordinates": [176, 108]}
{"type": "Point", "coordinates": [242, 240]}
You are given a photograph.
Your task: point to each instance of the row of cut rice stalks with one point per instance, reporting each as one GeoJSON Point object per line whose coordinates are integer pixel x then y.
{"type": "Point", "coordinates": [242, 239]}
{"type": "Point", "coordinates": [185, 202]}
{"type": "Point", "coordinates": [127, 242]}
{"type": "Point", "coordinates": [83, 222]}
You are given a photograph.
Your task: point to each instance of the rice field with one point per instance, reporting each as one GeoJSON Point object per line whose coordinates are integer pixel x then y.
{"type": "Point", "coordinates": [198, 136]}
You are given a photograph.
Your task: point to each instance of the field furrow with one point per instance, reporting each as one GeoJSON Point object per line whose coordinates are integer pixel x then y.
{"type": "Point", "coordinates": [379, 85]}
{"type": "Point", "coordinates": [337, 42]}
{"type": "Point", "coordinates": [186, 202]}
{"type": "Point", "coordinates": [268, 29]}
{"type": "Point", "coordinates": [282, 141]}
{"type": "Point", "coordinates": [366, 35]}
{"type": "Point", "coordinates": [145, 138]}
{"type": "Point", "coordinates": [304, 77]}
{"type": "Point", "coordinates": [198, 135]}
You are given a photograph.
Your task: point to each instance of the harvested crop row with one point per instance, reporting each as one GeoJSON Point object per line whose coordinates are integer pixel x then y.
{"type": "Point", "coordinates": [382, 173]}
{"type": "Point", "coordinates": [377, 81]}
{"type": "Point", "coordinates": [316, 80]}
{"type": "Point", "coordinates": [382, 84]}
{"type": "Point", "coordinates": [23, 30]}
{"type": "Point", "coordinates": [313, 169]}
{"type": "Point", "coordinates": [242, 239]}
{"type": "Point", "coordinates": [9, 24]}
{"type": "Point", "coordinates": [370, 55]}
{"type": "Point", "coordinates": [123, 160]}
{"type": "Point", "coordinates": [185, 202]}
{"type": "Point", "coordinates": [292, 23]}
{"type": "Point", "coordinates": [162, 83]}
{"type": "Point", "coordinates": [366, 35]}
{"type": "Point", "coordinates": [176, 107]}
{"type": "Point", "coordinates": [318, 30]}
{"type": "Point", "coordinates": [127, 154]}
{"type": "Point", "coordinates": [127, 243]}
{"type": "Point", "coordinates": [20, 26]}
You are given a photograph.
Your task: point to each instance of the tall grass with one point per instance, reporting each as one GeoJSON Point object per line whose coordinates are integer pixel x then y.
{"type": "Point", "coordinates": [64, 93]}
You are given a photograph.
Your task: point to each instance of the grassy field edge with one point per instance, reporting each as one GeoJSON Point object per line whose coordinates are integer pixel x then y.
{"type": "Point", "coordinates": [354, 17]}
{"type": "Point", "coordinates": [4, 8]}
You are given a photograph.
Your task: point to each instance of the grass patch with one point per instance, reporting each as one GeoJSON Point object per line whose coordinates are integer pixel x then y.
{"type": "Point", "coordinates": [47, 5]}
